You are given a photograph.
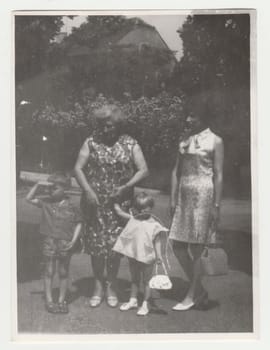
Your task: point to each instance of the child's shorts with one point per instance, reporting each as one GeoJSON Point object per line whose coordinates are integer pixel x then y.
{"type": "Point", "coordinates": [54, 248]}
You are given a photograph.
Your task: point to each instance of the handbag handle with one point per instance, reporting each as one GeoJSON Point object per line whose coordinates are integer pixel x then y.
{"type": "Point", "coordinates": [160, 263]}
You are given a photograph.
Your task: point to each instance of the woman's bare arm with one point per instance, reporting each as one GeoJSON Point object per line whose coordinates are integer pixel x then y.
{"type": "Point", "coordinates": [141, 173]}
{"type": "Point", "coordinates": [218, 170]}
{"type": "Point", "coordinates": [80, 176]}
{"type": "Point", "coordinates": [141, 166]}
{"type": "Point", "coordinates": [174, 183]}
{"type": "Point", "coordinates": [218, 180]}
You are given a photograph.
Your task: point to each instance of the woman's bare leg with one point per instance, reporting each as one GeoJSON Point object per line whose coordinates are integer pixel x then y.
{"type": "Point", "coordinates": [195, 284]}
{"type": "Point", "coordinates": [181, 253]}
{"type": "Point", "coordinates": [98, 266]}
{"type": "Point", "coordinates": [112, 266]}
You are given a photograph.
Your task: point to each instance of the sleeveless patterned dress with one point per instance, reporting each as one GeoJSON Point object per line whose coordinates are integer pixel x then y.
{"type": "Point", "coordinates": [107, 168]}
{"type": "Point", "coordinates": [192, 218]}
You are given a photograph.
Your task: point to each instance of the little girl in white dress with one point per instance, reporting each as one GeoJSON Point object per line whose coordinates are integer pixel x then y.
{"type": "Point", "coordinates": [143, 241]}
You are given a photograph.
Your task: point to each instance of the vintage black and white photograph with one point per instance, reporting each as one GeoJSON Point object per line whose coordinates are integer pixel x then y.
{"type": "Point", "coordinates": [133, 172]}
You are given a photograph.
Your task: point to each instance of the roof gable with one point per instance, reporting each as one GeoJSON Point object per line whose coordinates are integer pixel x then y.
{"type": "Point", "coordinates": [144, 35]}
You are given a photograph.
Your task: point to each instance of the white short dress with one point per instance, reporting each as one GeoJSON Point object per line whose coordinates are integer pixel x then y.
{"type": "Point", "coordinates": [137, 239]}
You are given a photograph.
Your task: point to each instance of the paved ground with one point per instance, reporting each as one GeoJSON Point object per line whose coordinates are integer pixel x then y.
{"type": "Point", "coordinates": [230, 309]}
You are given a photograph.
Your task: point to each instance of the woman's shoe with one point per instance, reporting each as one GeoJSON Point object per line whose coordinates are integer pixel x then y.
{"type": "Point", "coordinates": [144, 309]}
{"type": "Point", "coordinates": [196, 303]}
{"type": "Point", "coordinates": [183, 307]}
{"type": "Point", "coordinates": [95, 301]}
{"type": "Point", "coordinates": [131, 304]}
{"type": "Point", "coordinates": [112, 299]}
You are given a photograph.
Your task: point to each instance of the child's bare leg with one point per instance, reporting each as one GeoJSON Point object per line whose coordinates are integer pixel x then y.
{"type": "Point", "coordinates": [147, 274]}
{"type": "Point", "coordinates": [135, 273]}
{"type": "Point", "coordinates": [135, 284]}
{"type": "Point", "coordinates": [63, 270]}
{"type": "Point", "coordinates": [48, 278]}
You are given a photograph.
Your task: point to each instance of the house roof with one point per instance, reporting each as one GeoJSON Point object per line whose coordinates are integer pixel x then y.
{"type": "Point", "coordinates": [134, 33]}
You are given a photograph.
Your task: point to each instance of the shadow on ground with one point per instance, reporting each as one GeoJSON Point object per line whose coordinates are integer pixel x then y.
{"type": "Point", "coordinates": [84, 287]}
{"type": "Point", "coordinates": [29, 257]}
{"type": "Point", "coordinates": [238, 246]}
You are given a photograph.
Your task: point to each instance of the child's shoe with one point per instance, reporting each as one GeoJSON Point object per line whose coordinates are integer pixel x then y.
{"type": "Point", "coordinates": [144, 309]}
{"type": "Point", "coordinates": [63, 307]}
{"type": "Point", "coordinates": [131, 304]}
{"type": "Point", "coordinates": [51, 307]}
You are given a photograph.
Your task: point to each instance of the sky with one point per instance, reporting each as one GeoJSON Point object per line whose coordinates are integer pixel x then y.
{"type": "Point", "coordinates": [166, 25]}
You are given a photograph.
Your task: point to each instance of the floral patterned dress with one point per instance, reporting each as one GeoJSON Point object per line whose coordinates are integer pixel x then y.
{"type": "Point", "coordinates": [107, 168]}
{"type": "Point", "coordinates": [192, 218]}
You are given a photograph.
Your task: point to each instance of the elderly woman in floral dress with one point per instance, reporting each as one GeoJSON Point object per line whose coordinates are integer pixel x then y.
{"type": "Point", "coordinates": [108, 167]}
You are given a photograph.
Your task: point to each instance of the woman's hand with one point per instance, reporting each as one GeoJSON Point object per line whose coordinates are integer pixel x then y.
{"type": "Point", "coordinates": [215, 215]}
{"type": "Point", "coordinates": [118, 192]}
{"type": "Point", "coordinates": [92, 198]}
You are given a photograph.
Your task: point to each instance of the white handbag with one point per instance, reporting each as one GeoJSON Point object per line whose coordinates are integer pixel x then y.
{"type": "Point", "coordinates": [160, 281]}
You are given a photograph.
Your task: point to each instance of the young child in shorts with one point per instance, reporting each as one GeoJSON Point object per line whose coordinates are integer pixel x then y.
{"type": "Point", "coordinates": [143, 241]}
{"type": "Point", "coordinates": [60, 229]}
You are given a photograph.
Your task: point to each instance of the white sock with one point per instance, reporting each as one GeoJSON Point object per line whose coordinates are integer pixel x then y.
{"type": "Point", "coordinates": [145, 304]}
{"type": "Point", "coordinates": [133, 300]}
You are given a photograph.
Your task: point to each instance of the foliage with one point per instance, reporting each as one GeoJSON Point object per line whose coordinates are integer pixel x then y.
{"type": "Point", "coordinates": [34, 43]}
{"type": "Point", "coordinates": [215, 70]}
{"type": "Point", "coordinates": [99, 61]}
{"type": "Point", "coordinates": [216, 67]}
{"type": "Point", "coordinates": [33, 36]}
{"type": "Point", "coordinates": [216, 52]}
{"type": "Point", "coordinates": [154, 122]}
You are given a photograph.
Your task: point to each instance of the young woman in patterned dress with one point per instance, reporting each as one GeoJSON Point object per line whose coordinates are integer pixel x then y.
{"type": "Point", "coordinates": [195, 200]}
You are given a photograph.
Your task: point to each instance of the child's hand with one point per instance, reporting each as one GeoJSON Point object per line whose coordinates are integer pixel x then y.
{"type": "Point", "coordinates": [158, 261]}
{"type": "Point", "coordinates": [69, 246]}
{"type": "Point", "coordinates": [45, 183]}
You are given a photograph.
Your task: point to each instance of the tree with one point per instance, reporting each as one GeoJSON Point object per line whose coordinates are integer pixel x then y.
{"type": "Point", "coordinates": [115, 69]}
{"type": "Point", "coordinates": [33, 36]}
{"type": "Point", "coordinates": [216, 52]}
{"type": "Point", "coordinates": [216, 67]}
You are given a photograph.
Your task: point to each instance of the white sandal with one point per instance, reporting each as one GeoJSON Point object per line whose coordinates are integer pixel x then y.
{"type": "Point", "coordinates": [131, 304]}
{"type": "Point", "coordinates": [144, 309]}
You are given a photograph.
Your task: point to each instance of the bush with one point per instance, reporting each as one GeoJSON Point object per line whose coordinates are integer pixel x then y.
{"type": "Point", "coordinates": [155, 122]}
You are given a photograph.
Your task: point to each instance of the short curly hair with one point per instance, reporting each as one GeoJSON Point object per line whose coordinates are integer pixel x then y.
{"type": "Point", "coordinates": [109, 111]}
{"type": "Point", "coordinates": [60, 179]}
{"type": "Point", "coordinates": [143, 200]}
